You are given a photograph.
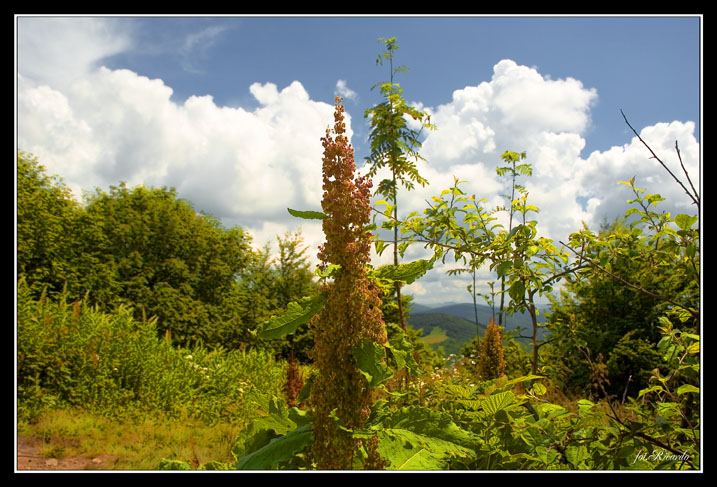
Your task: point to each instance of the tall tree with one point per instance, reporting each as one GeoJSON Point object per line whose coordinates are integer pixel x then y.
{"type": "Point", "coordinates": [513, 170]}
{"type": "Point", "coordinates": [45, 215]}
{"type": "Point", "coordinates": [394, 145]}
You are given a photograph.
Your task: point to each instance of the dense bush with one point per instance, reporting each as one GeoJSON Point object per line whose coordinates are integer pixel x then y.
{"type": "Point", "coordinates": [149, 250]}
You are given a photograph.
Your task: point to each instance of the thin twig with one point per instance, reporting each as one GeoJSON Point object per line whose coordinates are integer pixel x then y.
{"type": "Point", "coordinates": [679, 156]}
{"type": "Point", "coordinates": [694, 200]}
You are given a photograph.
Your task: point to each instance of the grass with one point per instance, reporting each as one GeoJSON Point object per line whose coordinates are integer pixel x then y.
{"type": "Point", "coordinates": [437, 335]}
{"type": "Point", "coordinates": [139, 444]}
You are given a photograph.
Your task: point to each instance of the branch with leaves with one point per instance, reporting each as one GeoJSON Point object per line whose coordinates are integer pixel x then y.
{"type": "Point", "coordinates": [395, 145]}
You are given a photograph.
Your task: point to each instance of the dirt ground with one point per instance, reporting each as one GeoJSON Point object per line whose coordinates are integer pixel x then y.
{"type": "Point", "coordinates": [29, 457]}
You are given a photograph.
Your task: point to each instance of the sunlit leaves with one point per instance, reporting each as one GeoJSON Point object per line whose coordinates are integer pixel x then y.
{"type": "Point", "coordinates": [406, 273]}
{"type": "Point", "coordinates": [296, 315]}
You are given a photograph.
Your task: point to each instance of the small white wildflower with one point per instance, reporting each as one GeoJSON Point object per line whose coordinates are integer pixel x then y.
{"type": "Point", "coordinates": [188, 357]}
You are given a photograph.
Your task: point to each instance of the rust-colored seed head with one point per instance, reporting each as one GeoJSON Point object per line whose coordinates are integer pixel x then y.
{"type": "Point", "coordinates": [352, 311]}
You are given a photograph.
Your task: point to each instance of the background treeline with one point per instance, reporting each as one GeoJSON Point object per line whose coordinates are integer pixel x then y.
{"type": "Point", "coordinates": [146, 249]}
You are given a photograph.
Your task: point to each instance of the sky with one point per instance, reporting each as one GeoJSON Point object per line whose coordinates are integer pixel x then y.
{"type": "Point", "coordinates": [230, 111]}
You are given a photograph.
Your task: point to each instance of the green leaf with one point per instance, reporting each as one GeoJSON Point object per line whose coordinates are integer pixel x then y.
{"type": "Point", "coordinates": [308, 215]}
{"type": "Point", "coordinates": [685, 222]}
{"type": "Point", "coordinates": [517, 291]}
{"type": "Point", "coordinates": [432, 424]}
{"type": "Point", "coordinates": [656, 388]}
{"type": "Point", "coordinates": [296, 315]}
{"type": "Point", "coordinates": [330, 270]}
{"type": "Point", "coordinates": [584, 407]}
{"type": "Point", "coordinates": [576, 454]}
{"type": "Point", "coordinates": [277, 450]}
{"type": "Point", "coordinates": [503, 268]}
{"type": "Point", "coordinates": [402, 352]}
{"type": "Point", "coordinates": [369, 358]}
{"type": "Point", "coordinates": [498, 402]}
{"type": "Point", "coordinates": [406, 450]}
{"type": "Point", "coordinates": [684, 389]}
{"type": "Point", "coordinates": [406, 273]}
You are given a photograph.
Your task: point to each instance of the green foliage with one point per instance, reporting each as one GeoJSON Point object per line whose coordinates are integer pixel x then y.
{"type": "Point", "coordinates": [99, 283]}
{"type": "Point", "coordinates": [296, 315]}
{"type": "Point", "coordinates": [171, 262]}
{"type": "Point", "coordinates": [72, 354]}
{"type": "Point", "coordinates": [394, 145]}
{"type": "Point", "coordinates": [528, 265]}
{"type": "Point", "coordinates": [148, 250]}
{"type": "Point", "coordinates": [59, 246]}
{"type": "Point", "coordinates": [640, 269]}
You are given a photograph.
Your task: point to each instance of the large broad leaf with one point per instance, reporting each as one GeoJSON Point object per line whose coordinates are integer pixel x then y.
{"type": "Point", "coordinates": [498, 402]}
{"type": "Point", "coordinates": [296, 315]}
{"type": "Point", "coordinates": [406, 273]}
{"type": "Point", "coordinates": [272, 439]}
{"type": "Point", "coordinates": [517, 291]}
{"type": "Point", "coordinates": [307, 215]}
{"type": "Point", "coordinates": [406, 450]}
{"type": "Point", "coordinates": [432, 424]}
{"type": "Point", "coordinates": [504, 267]}
{"type": "Point", "coordinates": [278, 450]}
{"type": "Point", "coordinates": [369, 358]}
{"type": "Point", "coordinates": [685, 221]}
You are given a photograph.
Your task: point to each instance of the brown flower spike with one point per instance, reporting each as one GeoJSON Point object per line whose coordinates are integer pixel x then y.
{"type": "Point", "coordinates": [352, 311]}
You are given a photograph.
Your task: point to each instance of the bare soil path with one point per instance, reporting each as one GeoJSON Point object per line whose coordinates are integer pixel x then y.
{"type": "Point", "coordinates": [29, 457]}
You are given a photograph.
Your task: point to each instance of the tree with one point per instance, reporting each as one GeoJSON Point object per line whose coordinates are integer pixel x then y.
{"type": "Point", "coordinates": [530, 265]}
{"type": "Point", "coordinates": [394, 145]}
{"type": "Point", "coordinates": [526, 170]}
{"type": "Point", "coordinates": [45, 214]}
{"type": "Point", "coordinates": [293, 280]}
{"type": "Point", "coordinates": [171, 262]}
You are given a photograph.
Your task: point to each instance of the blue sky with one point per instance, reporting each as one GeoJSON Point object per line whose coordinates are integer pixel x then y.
{"type": "Point", "coordinates": [648, 66]}
{"type": "Point", "coordinates": [230, 110]}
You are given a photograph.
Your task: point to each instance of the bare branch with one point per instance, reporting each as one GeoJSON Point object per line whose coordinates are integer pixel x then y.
{"type": "Point", "coordinates": [694, 199]}
{"type": "Point", "coordinates": [679, 156]}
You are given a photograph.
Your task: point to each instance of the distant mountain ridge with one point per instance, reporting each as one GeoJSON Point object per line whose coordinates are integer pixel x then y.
{"type": "Point", "coordinates": [485, 313]}
{"type": "Point", "coordinates": [451, 325]}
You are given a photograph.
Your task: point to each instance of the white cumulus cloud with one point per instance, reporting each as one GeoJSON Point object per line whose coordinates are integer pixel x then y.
{"type": "Point", "coordinates": [96, 126]}
{"type": "Point", "coordinates": [520, 109]}
{"type": "Point", "coordinates": [344, 91]}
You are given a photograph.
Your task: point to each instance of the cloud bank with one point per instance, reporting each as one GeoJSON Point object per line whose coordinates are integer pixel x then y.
{"type": "Point", "coordinates": [96, 127]}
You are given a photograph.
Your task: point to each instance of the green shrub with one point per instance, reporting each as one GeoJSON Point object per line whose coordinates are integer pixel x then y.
{"type": "Point", "coordinates": [70, 354]}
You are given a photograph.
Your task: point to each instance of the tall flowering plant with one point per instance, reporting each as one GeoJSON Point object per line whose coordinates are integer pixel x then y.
{"type": "Point", "coordinates": [351, 315]}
